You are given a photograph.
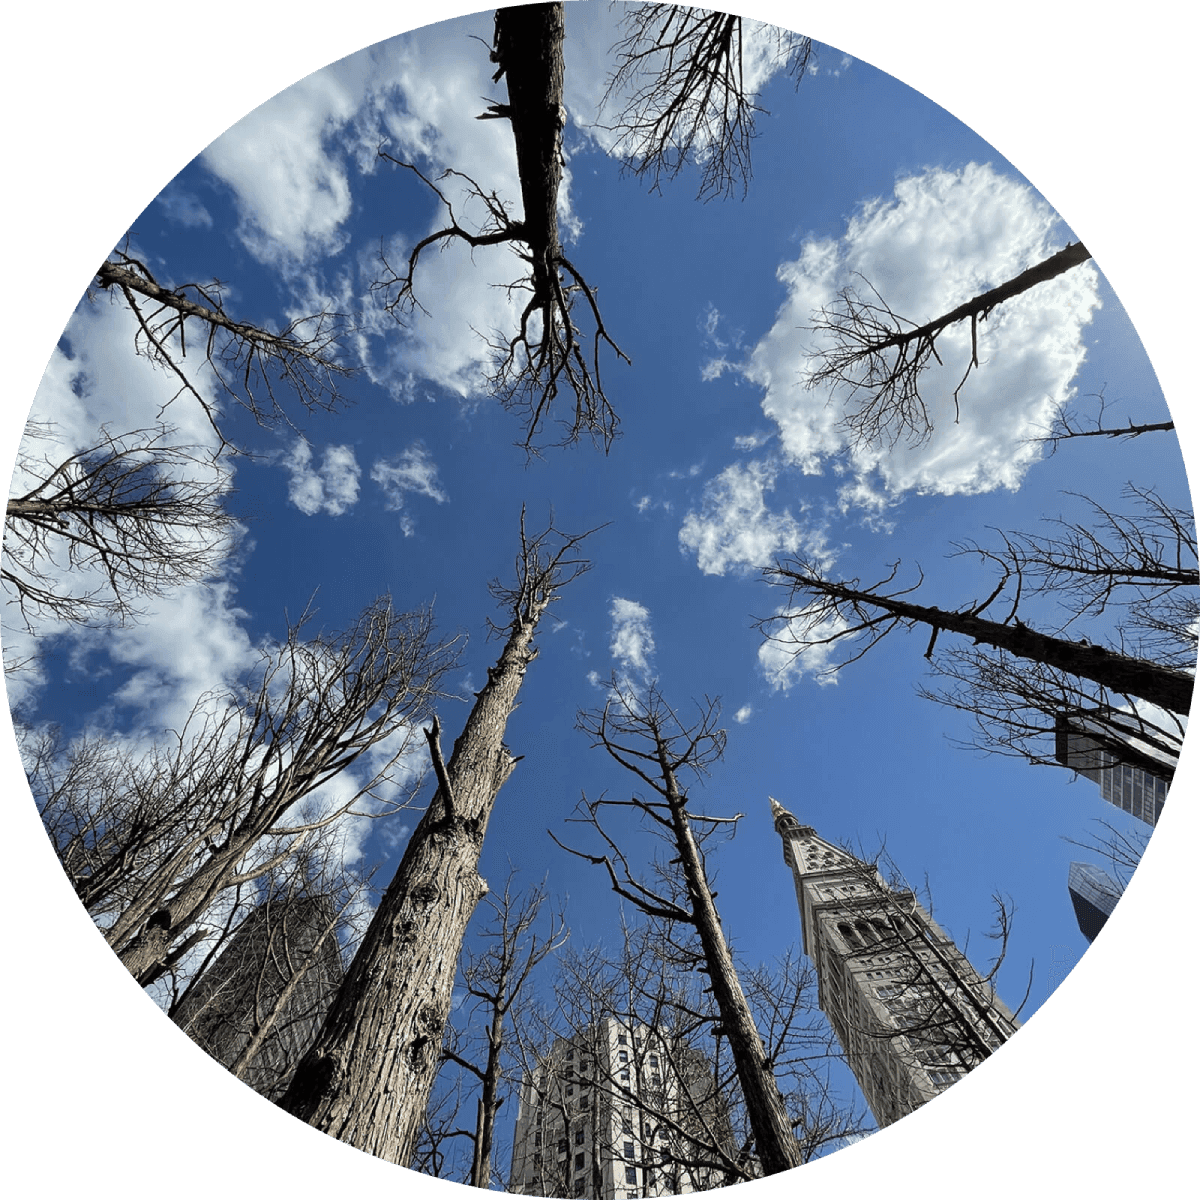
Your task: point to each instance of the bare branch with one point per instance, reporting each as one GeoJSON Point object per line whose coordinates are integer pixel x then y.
{"type": "Point", "coordinates": [874, 358]}
{"type": "Point", "coordinates": [249, 363]}
{"type": "Point", "coordinates": [134, 515]}
{"type": "Point", "coordinates": [681, 81]}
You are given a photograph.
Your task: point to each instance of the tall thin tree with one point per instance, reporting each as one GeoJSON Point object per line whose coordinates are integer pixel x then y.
{"type": "Point", "coordinates": [646, 737]}
{"type": "Point", "coordinates": [368, 1079]}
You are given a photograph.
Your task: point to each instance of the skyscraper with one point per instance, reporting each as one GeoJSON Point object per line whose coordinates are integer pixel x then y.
{"type": "Point", "coordinates": [1132, 774]}
{"type": "Point", "coordinates": [1094, 894]}
{"type": "Point", "coordinates": [605, 1114]}
{"type": "Point", "coordinates": [911, 1013]}
{"type": "Point", "coordinates": [274, 982]}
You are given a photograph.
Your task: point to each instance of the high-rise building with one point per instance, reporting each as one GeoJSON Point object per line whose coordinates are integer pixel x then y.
{"type": "Point", "coordinates": [911, 1013]}
{"type": "Point", "coordinates": [1094, 895]}
{"type": "Point", "coordinates": [590, 1118]}
{"type": "Point", "coordinates": [1132, 774]}
{"type": "Point", "coordinates": [282, 967]}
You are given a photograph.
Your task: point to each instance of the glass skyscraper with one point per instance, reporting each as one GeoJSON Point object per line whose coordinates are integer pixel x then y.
{"type": "Point", "coordinates": [1094, 895]}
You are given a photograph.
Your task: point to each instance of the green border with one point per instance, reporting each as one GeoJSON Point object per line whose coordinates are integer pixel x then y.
{"type": "Point", "coordinates": [105, 102]}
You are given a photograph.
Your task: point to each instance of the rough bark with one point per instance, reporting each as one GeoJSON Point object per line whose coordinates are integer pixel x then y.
{"type": "Point", "coordinates": [368, 1077]}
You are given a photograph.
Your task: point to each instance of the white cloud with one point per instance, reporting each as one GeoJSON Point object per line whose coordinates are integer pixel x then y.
{"type": "Point", "coordinates": [411, 471]}
{"type": "Point", "coordinates": [743, 714]}
{"type": "Point", "coordinates": [95, 381]}
{"type": "Point", "coordinates": [290, 187]}
{"type": "Point", "coordinates": [184, 208]}
{"type": "Point", "coordinates": [734, 529]}
{"type": "Point", "coordinates": [293, 163]}
{"type": "Point", "coordinates": [332, 488]}
{"type": "Point", "coordinates": [943, 237]}
{"type": "Point", "coordinates": [751, 441]}
{"type": "Point", "coordinates": [186, 644]}
{"type": "Point", "coordinates": [784, 662]}
{"type": "Point", "coordinates": [632, 642]}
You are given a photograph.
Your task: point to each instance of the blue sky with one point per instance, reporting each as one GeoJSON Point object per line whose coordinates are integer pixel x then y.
{"type": "Point", "coordinates": [692, 508]}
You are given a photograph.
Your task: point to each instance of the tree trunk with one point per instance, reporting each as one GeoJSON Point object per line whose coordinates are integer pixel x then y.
{"type": "Point", "coordinates": [368, 1078]}
{"type": "Point", "coordinates": [775, 1143]}
{"type": "Point", "coordinates": [1168, 688]}
{"type": "Point", "coordinates": [528, 51]}
{"type": "Point", "coordinates": [489, 1105]}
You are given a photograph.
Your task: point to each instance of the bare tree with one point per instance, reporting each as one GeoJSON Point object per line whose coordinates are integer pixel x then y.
{"type": "Point", "coordinates": [681, 81]}
{"type": "Point", "coordinates": [1140, 566]}
{"type": "Point", "coordinates": [250, 364]}
{"type": "Point", "coordinates": [823, 612]}
{"type": "Point", "coordinates": [368, 1079]}
{"type": "Point", "coordinates": [875, 358]}
{"type": "Point", "coordinates": [478, 1043]}
{"type": "Point", "coordinates": [134, 515]}
{"type": "Point", "coordinates": [646, 737]}
{"type": "Point", "coordinates": [150, 841]}
{"type": "Point", "coordinates": [549, 351]}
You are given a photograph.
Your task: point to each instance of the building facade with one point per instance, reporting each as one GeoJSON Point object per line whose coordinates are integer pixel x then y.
{"type": "Point", "coordinates": [1137, 786]}
{"type": "Point", "coordinates": [281, 966]}
{"type": "Point", "coordinates": [1094, 894]}
{"type": "Point", "coordinates": [605, 1116]}
{"type": "Point", "coordinates": [911, 1013]}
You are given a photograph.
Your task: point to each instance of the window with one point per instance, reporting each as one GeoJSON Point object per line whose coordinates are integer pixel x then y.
{"type": "Point", "coordinates": [622, 1040]}
{"type": "Point", "coordinates": [537, 1138]}
{"type": "Point", "coordinates": [943, 1078]}
{"type": "Point", "coordinates": [579, 1135]}
{"type": "Point", "coordinates": [580, 1185]}
{"type": "Point", "coordinates": [562, 1145]}
{"type": "Point", "coordinates": [627, 1151]}
{"type": "Point", "coordinates": [654, 1061]}
{"type": "Point", "coordinates": [539, 1116]}
{"type": "Point", "coordinates": [570, 1091]}
{"type": "Point", "coordinates": [624, 1076]}
{"type": "Point", "coordinates": [579, 1162]}
{"type": "Point", "coordinates": [623, 1056]}
{"type": "Point", "coordinates": [631, 1174]}
{"type": "Point", "coordinates": [570, 1053]}
{"type": "Point", "coordinates": [627, 1120]}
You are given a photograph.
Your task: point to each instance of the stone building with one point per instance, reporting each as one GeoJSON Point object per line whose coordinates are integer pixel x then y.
{"type": "Point", "coordinates": [911, 1013]}
{"type": "Point", "coordinates": [605, 1116]}
{"type": "Point", "coordinates": [283, 964]}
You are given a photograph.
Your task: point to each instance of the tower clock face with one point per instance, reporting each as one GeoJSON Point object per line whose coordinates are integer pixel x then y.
{"type": "Point", "coordinates": [537, 572]}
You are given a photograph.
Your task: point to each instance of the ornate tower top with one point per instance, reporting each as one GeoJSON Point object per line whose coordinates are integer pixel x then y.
{"type": "Point", "coordinates": [803, 850]}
